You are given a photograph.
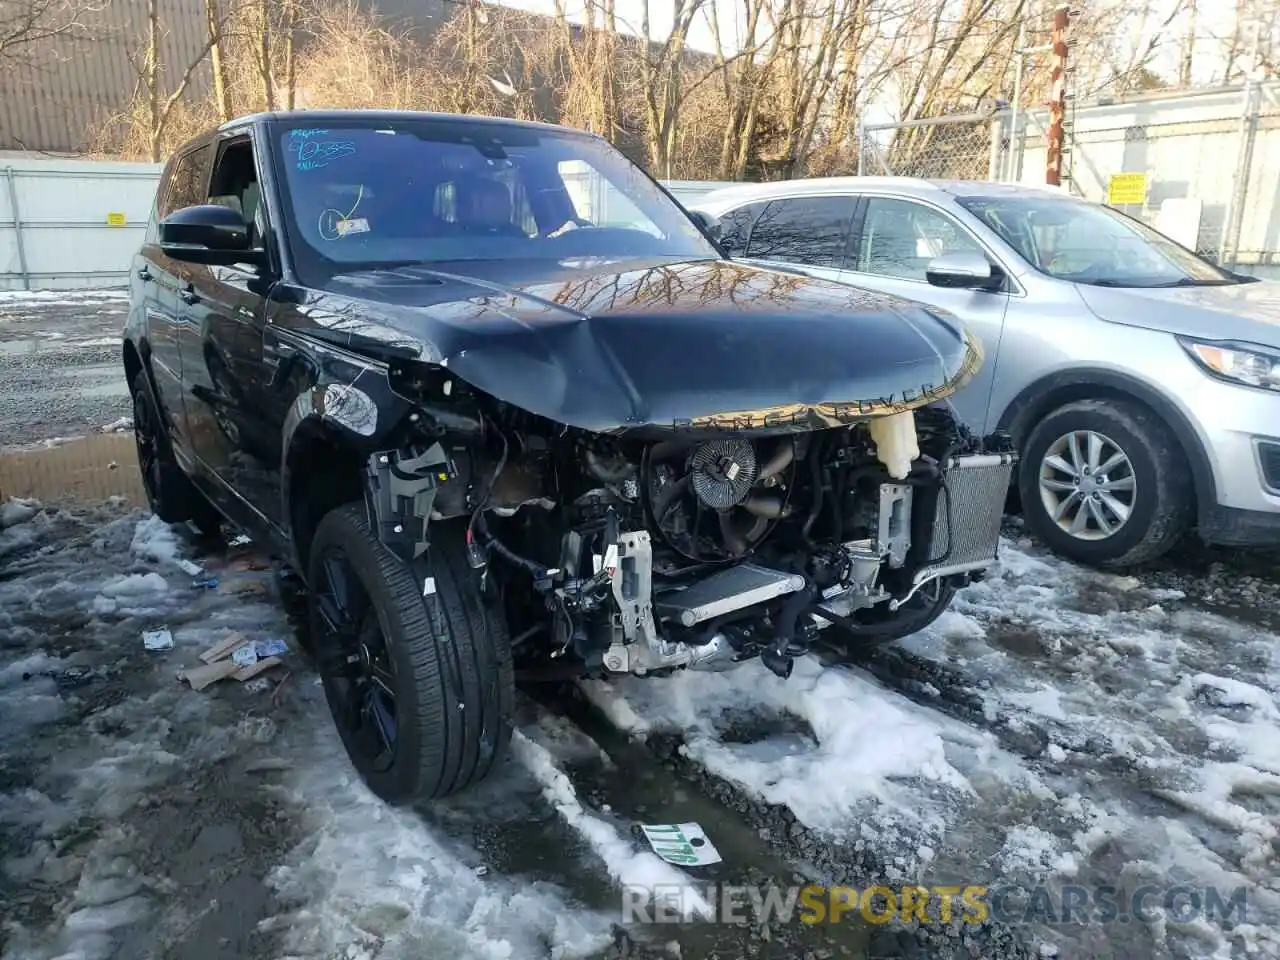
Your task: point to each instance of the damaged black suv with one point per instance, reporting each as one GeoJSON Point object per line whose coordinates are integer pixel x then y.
{"type": "Point", "coordinates": [509, 411]}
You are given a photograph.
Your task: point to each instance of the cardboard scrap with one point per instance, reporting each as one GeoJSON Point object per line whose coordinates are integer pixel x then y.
{"type": "Point", "coordinates": [200, 677]}
{"type": "Point", "coordinates": [248, 673]}
{"type": "Point", "coordinates": [235, 657]}
{"type": "Point", "coordinates": [223, 647]}
{"type": "Point", "coordinates": [243, 587]}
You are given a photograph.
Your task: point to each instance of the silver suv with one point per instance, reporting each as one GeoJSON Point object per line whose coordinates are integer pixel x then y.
{"type": "Point", "coordinates": [1140, 382]}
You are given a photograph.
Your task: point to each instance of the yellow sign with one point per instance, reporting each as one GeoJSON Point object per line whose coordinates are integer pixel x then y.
{"type": "Point", "coordinates": [1125, 188]}
{"type": "Point", "coordinates": [116, 220]}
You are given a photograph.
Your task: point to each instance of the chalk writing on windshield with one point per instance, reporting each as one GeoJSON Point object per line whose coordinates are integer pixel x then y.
{"type": "Point", "coordinates": [313, 153]}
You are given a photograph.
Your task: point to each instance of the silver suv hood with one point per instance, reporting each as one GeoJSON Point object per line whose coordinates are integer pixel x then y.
{"type": "Point", "coordinates": [1249, 312]}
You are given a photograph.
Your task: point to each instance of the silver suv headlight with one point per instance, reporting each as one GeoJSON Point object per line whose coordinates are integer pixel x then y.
{"type": "Point", "coordinates": [1245, 364]}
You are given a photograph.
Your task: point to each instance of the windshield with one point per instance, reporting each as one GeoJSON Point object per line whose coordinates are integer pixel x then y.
{"type": "Point", "coordinates": [369, 194]}
{"type": "Point", "coordinates": [1088, 243]}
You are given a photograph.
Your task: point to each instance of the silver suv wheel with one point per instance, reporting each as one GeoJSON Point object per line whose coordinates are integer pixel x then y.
{"type": "Point", "coordinates": [1087, 485]}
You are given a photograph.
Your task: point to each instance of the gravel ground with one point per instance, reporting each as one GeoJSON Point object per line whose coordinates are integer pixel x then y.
{"type": "Point", "coordinates": [60, 367]}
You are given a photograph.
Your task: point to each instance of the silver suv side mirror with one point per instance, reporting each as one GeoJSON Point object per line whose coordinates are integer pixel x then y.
{"type": "Point", "coordinates": [965, 269]}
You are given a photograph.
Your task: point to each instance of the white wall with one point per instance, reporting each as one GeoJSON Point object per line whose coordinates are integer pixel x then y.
{"type": "Point", "coordinates": [62, 240]}
{"type": "Point", "coordinates": [54, 228]}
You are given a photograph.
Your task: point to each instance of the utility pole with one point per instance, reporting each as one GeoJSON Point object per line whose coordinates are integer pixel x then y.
{"type": "Point", "coordinates": [1057, 98]}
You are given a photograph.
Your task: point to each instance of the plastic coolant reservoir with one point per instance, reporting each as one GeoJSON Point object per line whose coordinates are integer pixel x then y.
{"type": "Point", "coordinates": [895, 440]}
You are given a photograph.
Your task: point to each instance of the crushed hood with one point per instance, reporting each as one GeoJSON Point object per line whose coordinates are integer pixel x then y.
{"type": "Point", "coordinates": [616, 346]}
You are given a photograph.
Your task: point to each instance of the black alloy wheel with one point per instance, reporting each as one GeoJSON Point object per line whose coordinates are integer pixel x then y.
{"type": "Point", "coordinates": [355, 664]}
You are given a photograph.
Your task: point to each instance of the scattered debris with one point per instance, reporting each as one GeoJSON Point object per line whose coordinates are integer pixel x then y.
{"type": "Point", "coordinates": [682, 844]}
{"type": "Point", "coordinates": [248, 673]}
{"type": "Point", "coordinates": [160, 639]}
{"type": "Point", "coordinates": [189, 568]}
{"type": "Point", "coordinates": [202, 676]}
{"type": "Point", "coordinates": [244, 586]}
{"type": "Point", "coordinates": [239, 541]}
{"type": "Point", "coordinates": [117, 426]}
{"type": "Point", "coordinates": [245, 656]}
{"type": "Point", "coordinates": [275, 694]}
{"type": "Point", "coordinates": [205, 583]}
{"type": "Point", "coordinates": [223, 647]}
{"type": "Point", "coordinates": [240, 659]}
{"type": "Point", "coordinates": [271, 647]}
{"type": "Point", "coordinates": [261, 685]}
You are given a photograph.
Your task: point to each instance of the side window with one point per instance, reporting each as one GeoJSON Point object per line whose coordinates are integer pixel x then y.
{"type": "Point", "coordinates": [735, 227]}
{"type": "Point", "coordinates": [235, 185]}
{"type": "Point", "coordinates": [806, 230]}
{"type": "Point", "coordinates": [186, 181]}
{"type": "Point", "coordinates": [900, 237]}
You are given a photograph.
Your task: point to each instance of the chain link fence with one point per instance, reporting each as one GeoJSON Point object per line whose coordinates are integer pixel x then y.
{"type": "Point", "coordinates": [963, 147]}
{"type": "Point", "coordinates": [1207, 163]}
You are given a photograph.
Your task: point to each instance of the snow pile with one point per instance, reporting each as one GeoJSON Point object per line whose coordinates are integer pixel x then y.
{"type": "Point", "coordinates": [1056, 725]}
{"type": "Point", "coordinates": [371, 877]}
{"type": "Point", "coordinates": [22, 524]}
{"type": "Point", "coordinates": [864, 748]}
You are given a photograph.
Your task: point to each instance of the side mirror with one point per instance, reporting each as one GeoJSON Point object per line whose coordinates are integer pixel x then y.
{"type": "Point", "coordinates": [708, 225]}
{"type": "Point", "coordinates": [209, 234]}
{"type": "Point", "coordinates": [966, 269]}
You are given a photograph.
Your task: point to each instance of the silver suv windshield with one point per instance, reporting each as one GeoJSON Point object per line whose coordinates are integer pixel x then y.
{"type": "Point", "coordinates": [369, 193]}
{"type": "Point", "coordinates": [1088, 243]}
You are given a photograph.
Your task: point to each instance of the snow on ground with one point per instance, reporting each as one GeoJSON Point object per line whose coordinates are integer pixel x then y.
{"type": "Point", "coordinates": [62, 296]}
{"type": "Point", "coordinates": [1056, 726]}
{"type": "Point", "coordinates": [139, 818]}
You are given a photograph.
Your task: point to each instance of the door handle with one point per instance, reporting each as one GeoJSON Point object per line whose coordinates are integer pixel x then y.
{"type": "Point", "coordinates": [189, 295]}
{"type": "Point", "coordinates": [144, 274]}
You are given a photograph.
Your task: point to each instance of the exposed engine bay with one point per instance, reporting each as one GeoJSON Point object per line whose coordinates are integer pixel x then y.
{"type": "Point", "coordinates": [700, 550]}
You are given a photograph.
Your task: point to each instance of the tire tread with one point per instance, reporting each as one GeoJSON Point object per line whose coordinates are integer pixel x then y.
{"type": "Point", "coordinates": [458, 653]}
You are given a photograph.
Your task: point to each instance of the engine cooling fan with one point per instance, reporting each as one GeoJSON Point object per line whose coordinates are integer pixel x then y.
{"type": "Point", "coordinates": [723, 472]}
{"type": "Point", "coordinates": [709, 503]}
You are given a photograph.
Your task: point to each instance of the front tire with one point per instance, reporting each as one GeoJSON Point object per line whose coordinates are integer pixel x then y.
{"type": "Point", "coordinates": [420, 684]}
{"type": "Point", "coordinates": [883, 627]}
{"type": "Point", "coordinates": [1105, 483]}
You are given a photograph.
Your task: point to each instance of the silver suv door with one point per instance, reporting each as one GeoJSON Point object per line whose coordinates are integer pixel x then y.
{"type": "Point", "coordinates": [894, 240]}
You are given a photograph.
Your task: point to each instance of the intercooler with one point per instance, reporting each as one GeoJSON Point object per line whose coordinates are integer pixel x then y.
{"type": "Point", "coordinates": [967, 515]}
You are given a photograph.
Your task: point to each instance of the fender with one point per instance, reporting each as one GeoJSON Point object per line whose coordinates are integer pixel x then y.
{"type": "Point", "coordinates": [1039, 398]}
{"type": "Point", "coordinates": [347, 403]}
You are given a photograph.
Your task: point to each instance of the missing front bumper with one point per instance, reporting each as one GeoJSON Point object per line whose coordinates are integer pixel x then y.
{"type": "Point", "coordinates": [965, 521]}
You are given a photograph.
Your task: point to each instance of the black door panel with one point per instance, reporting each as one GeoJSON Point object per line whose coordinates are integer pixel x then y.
{"type": "Point", "coordinates": [234, 423]}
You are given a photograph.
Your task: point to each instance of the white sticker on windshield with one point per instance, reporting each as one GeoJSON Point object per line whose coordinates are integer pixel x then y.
{"type": "Point", "coordinates": [347, 227]}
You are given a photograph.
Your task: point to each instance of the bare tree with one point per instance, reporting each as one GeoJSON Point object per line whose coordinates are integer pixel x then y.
{"type": "Point", "coordinates": [660, 74]}
{"type": "Point", "coordinates": [26, 26]}
{"type": "Point", "coordinates": [153, 105]}
{"type": "Point", "coordinates": [214, 22]}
